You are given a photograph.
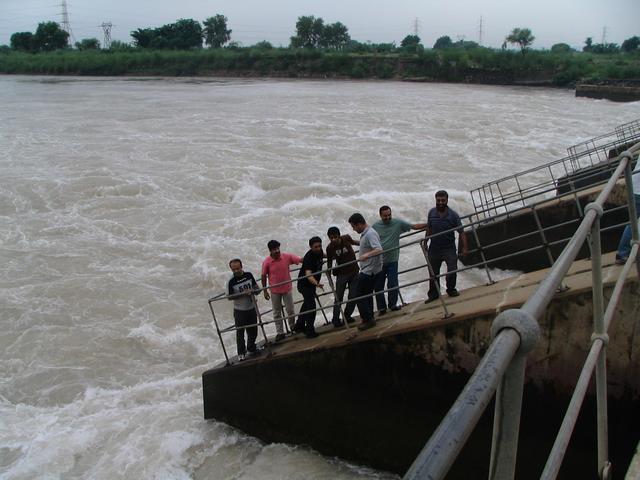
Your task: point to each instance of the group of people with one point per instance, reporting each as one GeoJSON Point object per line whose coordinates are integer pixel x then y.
{"type": "Point", "coordinates": [375, 269]}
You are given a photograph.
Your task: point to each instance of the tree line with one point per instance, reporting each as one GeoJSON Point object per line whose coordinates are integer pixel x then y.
{"type": "Point", "coordinates": [310, 33]}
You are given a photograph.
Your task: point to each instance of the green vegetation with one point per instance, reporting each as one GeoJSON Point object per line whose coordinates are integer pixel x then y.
{"type": "Point", "coordinates": [181, 35]}
{"type": "Point", "coordinates": [478, 65]}
{"type": "Point", "coordinates": [215, 31]}
{"type": "Point", "coordinates": [88, 44]}
{"type": "Point", "coordinates": [48, 37]}
{"type": "Point", "coordinates": [317, 50]}
{"type": "Point", "coordinates": [311, 32]}
{"type": "Point", "coordinates": [521, 37]}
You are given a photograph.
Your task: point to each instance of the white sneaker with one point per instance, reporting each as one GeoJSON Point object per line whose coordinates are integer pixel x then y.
{"type": "Point", "coordinates": [241, 357]}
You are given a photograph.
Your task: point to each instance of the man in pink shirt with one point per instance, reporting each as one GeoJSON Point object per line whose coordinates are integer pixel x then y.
{"type": "Point", "coordinates": [276, 268]}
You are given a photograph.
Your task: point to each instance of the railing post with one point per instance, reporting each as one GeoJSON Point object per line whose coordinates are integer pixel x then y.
{"type": "Point", "coordinates": [482, 255]}
{"type": "Point", "coordinates": [599, 330]}
{"type": "Point", "coordinates": [259, 316]}
{"type": "Point", "coordinates": [333, 292]}
{"type": "Point", "coordinates": [633, 214]}
{"type": "Point", "coordinates": [432, 276]}
{"type": "Point", "coordinates": [506, 419]}
{"type": "Point", "coordinates": [318, 302]}
{"type": "Point", "coordinates": [543, 237]}
{"type": "Point", "coordinates": [215, 321]}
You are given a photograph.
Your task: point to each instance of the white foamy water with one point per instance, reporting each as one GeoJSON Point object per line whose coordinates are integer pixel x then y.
{"type": "Point", "coordinates": [121, 201]}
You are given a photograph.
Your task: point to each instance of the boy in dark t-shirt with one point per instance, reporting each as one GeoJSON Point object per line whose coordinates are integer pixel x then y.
{"type": "Point", "coordinates": [340, 249]}
{"type": "Point", "coordinates": [311, 263]}
{"type": "Point", "coordinates": [239, 289]}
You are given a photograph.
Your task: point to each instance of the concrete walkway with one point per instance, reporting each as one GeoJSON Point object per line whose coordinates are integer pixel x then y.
{"type": "Point", "coordinates": [476, 301]}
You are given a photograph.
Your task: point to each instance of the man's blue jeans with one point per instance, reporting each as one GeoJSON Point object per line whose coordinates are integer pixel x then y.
{"type": "Point", "coordinates": [390, 274]}
{"type": "Point", "coordinates": [624, 247]}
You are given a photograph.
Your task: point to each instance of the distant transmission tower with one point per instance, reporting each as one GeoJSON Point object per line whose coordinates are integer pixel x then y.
{"type": "Point", "coordinates": [106, 28]}
{"type": "Point", "coordinates": [604, 35]}
{"type": "Point", "coordinates": [480, 32]}
{"type": "Point", "coordinates": [66, 26]}
{"type": "Point", "coordinates": [416, 26]}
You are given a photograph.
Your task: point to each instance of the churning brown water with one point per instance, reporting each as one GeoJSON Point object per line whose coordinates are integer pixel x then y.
{"type": "Point", "coordinates": [121, 201]}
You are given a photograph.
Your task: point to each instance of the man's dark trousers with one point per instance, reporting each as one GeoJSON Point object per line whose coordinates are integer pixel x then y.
{"type": "Point", "coordinates": [342, 281]}
{"type": "Point", "coordinates": [306, 320]}
{"type": "Point", "coordinates": [436, 257]}
{"type": "Point", "coordinates": [366, 283]}
{"type": "Point", "coordinates": [242, 319]}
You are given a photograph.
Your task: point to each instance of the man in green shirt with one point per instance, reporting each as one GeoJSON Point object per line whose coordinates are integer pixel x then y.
{"type": "Point", "coordinates": [390, 230]}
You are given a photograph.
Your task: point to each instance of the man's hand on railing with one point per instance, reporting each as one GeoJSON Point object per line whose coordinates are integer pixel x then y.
{"type": "Point", "coordinates": [266, 294]}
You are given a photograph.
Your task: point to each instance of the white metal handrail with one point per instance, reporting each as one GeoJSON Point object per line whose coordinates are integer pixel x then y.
{"type": "Point", "coordinates": [515, 333]}
{"type": "Point", "coordinates": [497, 194]}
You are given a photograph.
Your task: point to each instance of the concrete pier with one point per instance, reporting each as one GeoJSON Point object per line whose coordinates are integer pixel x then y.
{"type": "Point", "coordinates": [374, 397]}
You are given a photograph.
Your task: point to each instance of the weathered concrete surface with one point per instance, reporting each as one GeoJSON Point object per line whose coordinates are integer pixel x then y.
{"type": "Point", "coordinates": [375, 397]}
{"type": "Point", "coordinates": [553, 212]}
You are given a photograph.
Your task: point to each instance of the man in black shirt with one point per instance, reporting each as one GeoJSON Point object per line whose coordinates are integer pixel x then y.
{"type": "Point", "coordinates": [311, 263]}
{"type": "Point", "coordinates": [239, 289]}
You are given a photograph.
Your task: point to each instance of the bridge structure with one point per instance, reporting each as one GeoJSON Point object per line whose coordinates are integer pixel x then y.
{"type": "Point", "coordinates": [463, 334]}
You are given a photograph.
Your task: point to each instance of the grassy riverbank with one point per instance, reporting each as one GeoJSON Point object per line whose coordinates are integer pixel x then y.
{"type": "Point", "coordinates": [479, 65]}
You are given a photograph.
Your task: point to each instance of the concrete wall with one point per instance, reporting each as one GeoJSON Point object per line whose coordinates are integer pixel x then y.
{"type": "Point", "coordinates": [376, 402]}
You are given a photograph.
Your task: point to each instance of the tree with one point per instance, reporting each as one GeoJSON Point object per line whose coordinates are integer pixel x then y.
{"type": "Point", "coordinates": [605, 48]}
{"type": "Point", "coordinates": [410, 40]}
{"type": "Point", "coordinates": [466, 44]}
{"type": "Point", "coordinates": [185, 34]}
{"type": "Point", "coordinates": [411, 43]}
{"type": "Point", "coordinates": [334, 35]}
{"type": "Point", "coordinates": [117, 45]}
{"type": "Point", "coordinates": [560, 48]}
{"type": "Point", "coordinates": [308, 32]}
{"type": "Point", "coordinates": [22, 41]}
{"type": "Point", "coordinates": [443, 42]}
{"type": "Point", "coordinates": [263, 45]}
{"type": "Point", "coordinates": [142, 37]}
{"type": "Point", "coordinates": [49, 36]}
{"type": "Point", "coordinates": [88, 44]}
{"type": "Point", "coordinates": [522, 37]}
{"type": "Point", "coordinates": [631, 44]}
{"type": "Point", "coordinates": [216, 33]}
{"type": "Point", "coordinates": [588, 45]}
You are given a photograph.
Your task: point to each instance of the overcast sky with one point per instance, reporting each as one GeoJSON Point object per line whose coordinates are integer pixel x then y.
{"type": "Point", "coordinates": [551, 21]}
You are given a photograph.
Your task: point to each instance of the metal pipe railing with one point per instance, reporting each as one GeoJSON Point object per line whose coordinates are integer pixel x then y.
{"type": "Point", "coordinates": [573, 159]}
{"type": "Point", "coordinates": [520, 325]}
{"type": "Point", "coordinates": [484, 263]}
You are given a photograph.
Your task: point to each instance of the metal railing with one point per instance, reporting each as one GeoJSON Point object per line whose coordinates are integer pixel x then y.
{"type": "Point", "coordinates": [471, 227]}
{"type": "Point", "coordinates": [515, 333]}
{"type": "Point", "coordinates": [499, 195]}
